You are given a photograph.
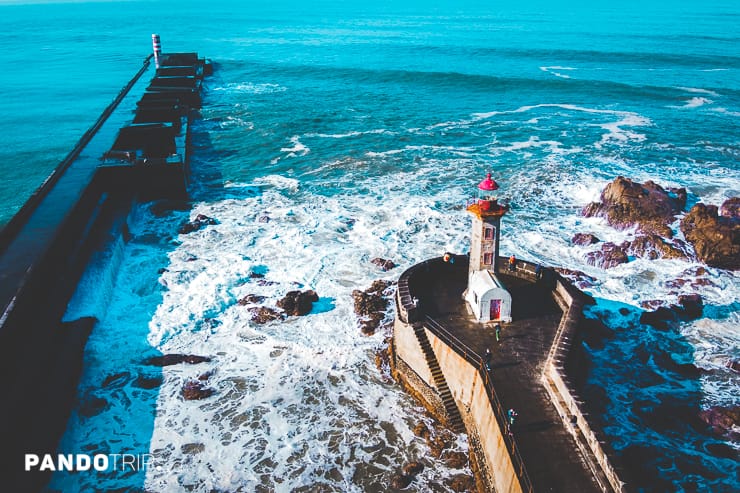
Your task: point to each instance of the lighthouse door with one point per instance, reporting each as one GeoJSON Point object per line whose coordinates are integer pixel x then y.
{"type": "Point", "coordinates": [495, 309]}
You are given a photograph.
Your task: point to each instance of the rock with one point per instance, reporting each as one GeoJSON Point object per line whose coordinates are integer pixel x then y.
{"type": "Point", "coordinates": [422, 430]}
{"type": "Point", "coordinates": [117, 380]}
{"type": "Point", "coordinates": [92, 406]}
{"type": "Point", "coordinates": [148, 383]}
{"type": "Point", "coordinates": [715, 238]}
{"type": "Point", "coordinates": [609, 256]}
{"type": "Point", "coordinates": [194, 390]}
{"type": "Point", "coordinates": [401, 481]}
{"type": "Point", "coordinates": [456, 460]}
{"type": "Point", "coordinates": [192, 448]}
{"type": "Point", "coordinates": [584, 239]}
{"type": "Point", "coordinates": [382, 358]}
{"type": "Point", "coordinates": [437, 445]}
{"type": "Point", "coordinates": [731, 208]}
{"type": "Point", "coordinates": [658, 318]}
{"type": "Point", "coordinates": [263, 314]}
{"type": "Point", "coordinates": [413, 468]}
{"type": "Point", "coordinates": [251, 299]}
{"type": "Point", "coordinates": [652, 304]}
{"type": "Point", "coordinates": [733, 365]}
{"type": "Point", "coordinates": [462, 483]}
{"type": "Point", "coordinates": [367, 303]}
{"type": "Point", "coordinates": [298, 302]}
{"type": "Point", "coordinates": [652, 246]}
{"type": "Point", "coordinates": [265, 282]}
{"type": "Point", "coordinates": [648, 206]}
{"type": "Point", "coordinates": [724, 421]}
{"type": "Point", "coordinates": [384, 264]}
{"type": "Point", "coordinates": [256, 275]}
{"type": "Point", "coordinates": [692, 306]}
{"type": "Point", "coordinates": [175, 359]}
{"type": "Point", "coordinates": [200, 221]}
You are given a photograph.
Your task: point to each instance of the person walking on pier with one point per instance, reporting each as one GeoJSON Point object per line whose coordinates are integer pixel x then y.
{"type": "Point", "coordinates": [487, 359]}
{"type": "Point", "coordinates": [512, 416]}
{"type": "Point", "coordinates": [498, 332]}
{"type": "Point", "coordinates": [512, 263]}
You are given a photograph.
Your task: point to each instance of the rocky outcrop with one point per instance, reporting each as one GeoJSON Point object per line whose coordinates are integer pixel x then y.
{"type": "Point", "coordinates": [652, 246]}
{"type": "Point", "coordinates": [297, 303]}
{"type": "Point", "coordinates": [370, 306]}
{"type": "Point", "coordinates": [648, 206]}
{"type": "Point", "coordinates": [609, 256]}
{"type": "Point", "coordinates": [401, 481]}
{"type": "Point", "coordinates": [724, 421]}
{"type": "Point", "coordinates": [251, 299]}
{"type": "Point", "coordinates": [413, 468]}
{"type": "Point", "coordinates": [200, 222]}
{"type": "Point", "coordinates": [715, 237]}
{"type": "Point", "coordinates": [689, 307]}
{"type": "Point", "coordinates": [176, 359]}
{"type": "Point", "coordinates": [462, 483]}
{"type": "Point", "coordinates": [456, 460]}
{"type": "Point", "coordinates": [195, 390]}
{"type": "Point", "coordinates": [583, 239]}
{"type": "Point", "coordinates": [263, 314]}
{"type": "Point", "coordinates": [384, 264]}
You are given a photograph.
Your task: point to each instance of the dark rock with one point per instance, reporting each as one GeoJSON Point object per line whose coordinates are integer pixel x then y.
{"type": "Point", "coordinates": [456, 460]}
{"type": "Point", "coordinates": [462, 483]}
{"type": "Point", "coordinates": [263, 314]}
{"type": "Point", "coordinates": [117, 380]}
{"type": "Point", "coordinates": [298, 302]}
{"type": "Point", "coordinates": [609, 256]}
{"type": "Point", "coordinates": [652, 304]}
{"type": "Point", "coordinates": [692, 306]}
{"type": "Point", "coordinates": [733, 365]}
{"type": "Point", "coordinates": [92, 406]}
{"type": "Point", "coordinates": [659, 318]}
{"type": "Point", "coordinates": [715, 238]}
{"type": "Point", "coordinates": [437, 445]}
{"type": "Point", "coordinates": [401, 481]}
{"type": "Point", "coordinates": [648, 206]}
{"type": "Point", "coordinates": [723, 451]}
{"type": "Point", "coordinates": [194, 390]}
{"type": "Point", "coordinates": [731, 208]}
{"type": "Point", "coordinates": [367, 303]}
{"type": "Point", "coordinates": [581, 278]}
{"type": "Point", "coordinates": [200, 221]}
{"type": "Point", "coordinates": [148, 383]}
{"type": "Point", "coordinates": [175, 359]}
{"type": "Point", "coordinates": [413, 468]}
{"type": "Point", "coordinates": [256, 275]}
{"type": "Point", "coordinates": [723, 420]}
{"type": "Point", "coordinates": [251, 299]}
{"type": "Point", "coordinates": [422, 430]}
{"type": "Point", "coordinates": [192, 448]}
{"type": "Point", "coordinates": [384, 264]}
{"type": "Point", "coordinates": [583, 239]}
{"type": "Point", "coordinates": [687, 370]}
{"type": "Point", "coordinates": [652, 246]}
{"type": "Point", "coordinates": [370, 324]}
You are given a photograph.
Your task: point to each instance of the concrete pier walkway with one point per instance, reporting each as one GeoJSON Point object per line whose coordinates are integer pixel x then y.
{"type": "Point", "coordinates": [552, 459]}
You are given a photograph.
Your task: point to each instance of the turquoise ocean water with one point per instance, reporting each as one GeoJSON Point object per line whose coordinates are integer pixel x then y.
{"type": "Point", "coordinates": [359, 129]}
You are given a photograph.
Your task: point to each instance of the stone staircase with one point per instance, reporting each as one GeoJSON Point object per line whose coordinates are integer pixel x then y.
{"type": "Point", "coordinates": [453, 413]}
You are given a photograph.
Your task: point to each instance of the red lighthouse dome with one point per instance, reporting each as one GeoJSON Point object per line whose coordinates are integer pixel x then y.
{"type": "Point", "coordinates": [488, 185]}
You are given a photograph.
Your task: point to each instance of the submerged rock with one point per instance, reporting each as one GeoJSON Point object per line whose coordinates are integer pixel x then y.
{"type": "Point", "coordinates": [384, 264]}
{"type": "Point", "coordinates": [724, 421]}
{"type": "Point", "coordinates": [200, 222]}
{"type": "Point", "coordinates": [462, 483]}
{"type": "Point", "coordinates": [715, 238]}
{"type": "Point", "coordinates": [174, 359]}
{"type": "Point", "coordinates": [413, 468]}
{"type": "Point", "coordinates": [194, 390]}
{"type": "Point", "coordinates": [148, 382]}
{"type": "Point", "coordinates": [692, 306]}
{"type": "Point", "coordinates": [648, 206]}
{"type": "Point", "coordinates": [298, 302]}
{"type": "Point", "coordinates": [652, 246]}
{"type": "Point", "coordinates": [92, 406]}
{"type": "Point", "coordinates": [659, 318]}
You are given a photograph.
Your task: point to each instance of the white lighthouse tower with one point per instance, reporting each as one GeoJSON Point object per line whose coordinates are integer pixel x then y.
{"type": "Point", "coordinates": [486, 295]}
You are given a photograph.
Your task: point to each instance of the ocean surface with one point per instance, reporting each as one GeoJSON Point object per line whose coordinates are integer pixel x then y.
{"type": "Point", "coordinates": [336, 132]}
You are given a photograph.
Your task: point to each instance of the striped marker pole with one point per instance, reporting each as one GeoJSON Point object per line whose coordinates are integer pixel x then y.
{"type": "Point", "coordinates": [157, 46]}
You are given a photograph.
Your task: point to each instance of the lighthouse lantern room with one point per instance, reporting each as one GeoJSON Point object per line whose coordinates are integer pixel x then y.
{"type": "Point", "coordinates": [487, 296]}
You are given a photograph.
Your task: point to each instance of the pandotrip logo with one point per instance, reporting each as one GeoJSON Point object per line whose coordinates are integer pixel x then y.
{"type": "Point", "coordinates": [86, 462]}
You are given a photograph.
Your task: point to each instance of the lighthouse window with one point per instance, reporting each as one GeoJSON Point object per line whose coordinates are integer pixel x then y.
{"type": "Point", "coordinates": [488, 234]}
{"type": "Point", "coordinates": [487, 258]}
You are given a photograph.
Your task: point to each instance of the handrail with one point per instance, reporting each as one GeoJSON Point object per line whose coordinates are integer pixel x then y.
{"type": "Point", "coordinates": [8, 232]}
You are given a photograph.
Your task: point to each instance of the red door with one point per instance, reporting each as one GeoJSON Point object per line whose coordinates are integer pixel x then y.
{"type": "Point", "coordinates": [495, 309]}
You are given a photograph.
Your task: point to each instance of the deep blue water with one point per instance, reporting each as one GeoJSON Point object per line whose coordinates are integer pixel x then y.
{"type": "Point", "coordinates": [387, 114]}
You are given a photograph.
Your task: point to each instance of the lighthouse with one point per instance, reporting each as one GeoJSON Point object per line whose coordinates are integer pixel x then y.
{"type": "Point", "coordinates": [486, 295]}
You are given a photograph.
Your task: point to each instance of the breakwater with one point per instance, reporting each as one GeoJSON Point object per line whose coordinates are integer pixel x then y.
{"type": "Point", "coordinates": [138, 149]}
